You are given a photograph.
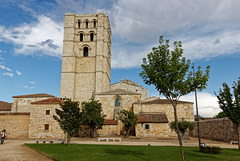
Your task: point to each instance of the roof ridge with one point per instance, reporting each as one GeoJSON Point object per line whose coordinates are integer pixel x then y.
{"type": "Point", "coordinates": [48, 101]}
{"type": "Point", "coordinates": [117, 90]}
{"type": "Point", "coordinates": [33, 95]}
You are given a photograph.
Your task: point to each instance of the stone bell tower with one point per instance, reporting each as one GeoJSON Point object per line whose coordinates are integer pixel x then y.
{"type": "Point", "coordinates": [86, 59]}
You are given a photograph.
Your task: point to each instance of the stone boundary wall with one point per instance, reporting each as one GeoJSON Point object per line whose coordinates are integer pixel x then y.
{"type": "Point", "coordinates": [16, 124]}
{"type": "Point", "coordinates": [221, 129]}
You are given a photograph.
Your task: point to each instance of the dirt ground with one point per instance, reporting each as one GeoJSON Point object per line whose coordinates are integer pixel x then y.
{"type": "Point", "coordinates": [15, 150]}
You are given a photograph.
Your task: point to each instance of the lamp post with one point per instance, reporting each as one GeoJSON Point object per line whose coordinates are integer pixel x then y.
{"type": "Point", "coordinates": [199, 138]}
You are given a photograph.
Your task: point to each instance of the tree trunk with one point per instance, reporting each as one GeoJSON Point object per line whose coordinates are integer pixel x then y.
{"type": "Point", "coordinates": [93, 133]}
{"type": "Point", "coordinates": [127, 133]}
{"type": "Point", "coordinates": [68, 139]}
{"type": "Point", "coordinates": [178, 131]}
{"type": "Point", "coordinates": [238, 129]}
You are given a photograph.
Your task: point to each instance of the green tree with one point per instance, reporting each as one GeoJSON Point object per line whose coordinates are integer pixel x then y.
{"type": "Point", "coordinates": [230, 104]}
{"type": "Point", "coordinates": [92, 115]}
{"type": "Point", "coordinates": [220, 115]}
{"type": "Point", "coordinates": [129, 119]}
{"type": "Point", "coordinates": [170, 73]}
{"type": "Point", "coordinates": [69, 118]}
{"type": "Point", "coordinates": [199, 117]}
{"type": "Point", "coordinates": [184, 126]}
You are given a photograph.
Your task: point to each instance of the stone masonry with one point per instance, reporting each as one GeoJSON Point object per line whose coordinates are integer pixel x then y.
{"type": "Point", "coordinates": [221, 129]}
{"type": "Point", "coordinates": [39, 118]}
{"type": "Point", "coordinates": [16, 124]}
{"type": "Point", "coordinates": [86, 60]}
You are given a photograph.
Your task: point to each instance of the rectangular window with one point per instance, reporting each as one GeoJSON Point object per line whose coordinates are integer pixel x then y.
{"type": "Point", "coordinates": [47, 112]}
{"type": "Point", "coordinates": [46, 126]}
{"type": "Point", "coordinates": [147, 127]}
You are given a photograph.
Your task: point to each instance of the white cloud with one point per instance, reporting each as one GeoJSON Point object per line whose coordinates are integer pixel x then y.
{"type": "Point", "coordinates": [139, 21]}
{"type": "Point", "coordinates": [214, 45]}
{"type": "Point", "coordinates": [32, 82]}
{"type": "Point", "coordinates": [129, 57]}
{"type": "Point", "coordinates": [44, 36]}
{"type": "Point", "coordinates": [207, 103]}
{"type": "Point", "coordinates": [29, 87]}
{"type": "Point", "coordinates": [5, 68]}
{"type": "Point", "coordinates": [207, 29]}
{"type": "Point", "coordinates": [1, 51]}
{"type": "Point", "coordinates": [8, 74]}
{"type": "Point", "coordinates": [18, 73]}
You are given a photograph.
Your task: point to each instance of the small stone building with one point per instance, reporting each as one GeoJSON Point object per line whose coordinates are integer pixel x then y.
{"type": "Point", "coordinates": [31, 116]}
{"type": "Point", "coordinates": [155, 114]}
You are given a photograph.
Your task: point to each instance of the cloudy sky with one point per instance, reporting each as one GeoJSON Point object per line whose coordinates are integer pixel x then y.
{"type": "Point", "coordinates": [31, 35]}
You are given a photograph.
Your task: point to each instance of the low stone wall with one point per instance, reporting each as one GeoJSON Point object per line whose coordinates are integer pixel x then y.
{"type": "Point", "coordinates": [16, 124]}
{"type": "Point", "coordinates": [108, 130]}
{"type": "Point", "coordinates": [221, 129]}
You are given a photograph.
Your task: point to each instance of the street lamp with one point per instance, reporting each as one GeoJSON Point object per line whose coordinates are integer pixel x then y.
{"type": "Point", "coordinates": [199, 138]}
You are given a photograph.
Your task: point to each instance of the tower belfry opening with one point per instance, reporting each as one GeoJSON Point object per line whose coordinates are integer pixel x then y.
{"type": "Point", "coordinates": [85, 51]}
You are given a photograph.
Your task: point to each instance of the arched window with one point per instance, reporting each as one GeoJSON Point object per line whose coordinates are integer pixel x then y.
{"type": "Point", "coordinates": [94, 24]}
{"type": "Point", "coordinates": [86, 24]}
{"type": "Point", "coordinates": [117, 102]}
{"type": "Point", "coordinates": [91, 36]}
{"type": "Point", "coordinates": [81, 36]}
{"type": "Point", "coordinates": [85, 51]}
{"type": "Point", "coordinates": [79, 24]}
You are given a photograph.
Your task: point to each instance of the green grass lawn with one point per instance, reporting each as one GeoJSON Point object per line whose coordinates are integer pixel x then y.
{"type": "Point", "coordinates": [78, 152]}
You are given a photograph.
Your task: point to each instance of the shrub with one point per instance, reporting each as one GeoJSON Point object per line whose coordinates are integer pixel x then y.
{"type": "Point", "coordinates": [210, 149]}
{"type": "Point", "coordinates": [184, 126]}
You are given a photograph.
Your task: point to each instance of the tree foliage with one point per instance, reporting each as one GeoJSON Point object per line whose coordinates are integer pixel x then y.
{"type": "Point", "coordinates": [170, 73]}
{"type": "Point", "coordinates": [220, 115]}
{"type": "Point", "coordinates": [69, 118]}
{"type": "Point", "coordinates": [129, 119]}
{"type": "Point", "coordinates": [92, 115]}
{"type": "Point", "coordinates": [230, 104]}
{"type": "Point", "coordinates": [184, 126]}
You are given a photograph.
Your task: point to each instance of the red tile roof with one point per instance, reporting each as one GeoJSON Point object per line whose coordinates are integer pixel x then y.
{"type": "Point", "coordinates": [34, 95]}
{"type": "Point", "coordinates": [53, 100]}
{"type": "Point", "coordinates": [2, 102]}
{"type": "Point", "coordinates": [4, 106]}
{"type": "Point", "coordinates": [162, 101]}
{"type": "Point", "coordinates": [110, 122]}
{"type": "Point", "coordinates": [152, 118]}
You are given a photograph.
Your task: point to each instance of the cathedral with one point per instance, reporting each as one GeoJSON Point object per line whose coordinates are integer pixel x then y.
{"type": "Point", "coordinates": [86, 73]}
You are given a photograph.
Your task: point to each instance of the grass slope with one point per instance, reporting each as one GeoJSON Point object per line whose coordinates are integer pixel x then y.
{"type": "Point", "coordinates": [76, 152]}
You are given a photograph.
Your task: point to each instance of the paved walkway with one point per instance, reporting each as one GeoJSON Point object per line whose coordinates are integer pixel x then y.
{"type": "Point", "coordinates": [15, 150]}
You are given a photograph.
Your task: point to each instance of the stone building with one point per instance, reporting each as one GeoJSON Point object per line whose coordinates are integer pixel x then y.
{"type": "Point", "coordinates": [86, 73]}
{"type": "Point", "coordinates": [31, 116]}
